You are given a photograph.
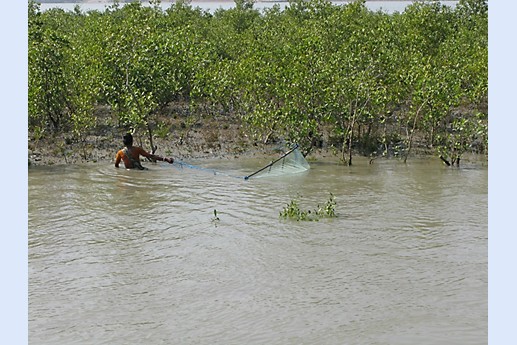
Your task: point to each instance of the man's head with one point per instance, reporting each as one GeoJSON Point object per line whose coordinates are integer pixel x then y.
{"type": "Point", "coordinates": [128, 139]}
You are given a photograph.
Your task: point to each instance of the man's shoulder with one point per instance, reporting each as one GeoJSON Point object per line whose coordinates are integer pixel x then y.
{"type": "Point", "coordinates": [138, 149]}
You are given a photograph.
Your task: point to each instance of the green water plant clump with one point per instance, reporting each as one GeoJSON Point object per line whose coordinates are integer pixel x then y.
{"type": "Point", "coordinates": [294, 212]}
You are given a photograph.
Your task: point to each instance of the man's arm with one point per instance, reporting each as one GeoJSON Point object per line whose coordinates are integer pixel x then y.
{"type": "Point", "coordinates": [118, 158]}
{"type": "Point", "coordinates": [156, 157]}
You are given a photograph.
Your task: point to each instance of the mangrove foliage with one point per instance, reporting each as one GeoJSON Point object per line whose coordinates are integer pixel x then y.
{"type": "Point", "coordinates": [312, 72]}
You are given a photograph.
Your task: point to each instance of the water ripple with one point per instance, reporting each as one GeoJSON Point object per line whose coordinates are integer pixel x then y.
{"type": "Point", "coordinates": [119, 256]}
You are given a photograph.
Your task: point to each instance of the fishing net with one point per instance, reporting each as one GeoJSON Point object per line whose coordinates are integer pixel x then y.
{"type": "Point", "coordinates": [292, 162]}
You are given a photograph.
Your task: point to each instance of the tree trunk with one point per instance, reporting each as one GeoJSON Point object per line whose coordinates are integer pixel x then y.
{"type": "Point", "coordinates": [150, 132]}
{"type": "Point", "coordinates": [410, 139]}
{"type": "Point", "coordinates": [350, 139]}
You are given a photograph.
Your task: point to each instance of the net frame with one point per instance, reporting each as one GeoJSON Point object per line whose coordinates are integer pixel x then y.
{"type": "Point", "coordinates": [290, 162]}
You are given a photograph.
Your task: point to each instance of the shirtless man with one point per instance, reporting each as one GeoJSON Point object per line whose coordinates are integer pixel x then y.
{"type": "Point", "coordinates": [130, 155]}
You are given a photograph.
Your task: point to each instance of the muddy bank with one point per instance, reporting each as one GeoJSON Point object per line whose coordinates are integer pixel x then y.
{"type": "Point", "coordinates": [201, 141]}
{"type": "Point", "coordinates": [177, 135]}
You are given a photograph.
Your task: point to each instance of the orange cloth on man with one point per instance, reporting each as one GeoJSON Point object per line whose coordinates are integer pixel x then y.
{"type": "Point", "coordinates": [135, 152]}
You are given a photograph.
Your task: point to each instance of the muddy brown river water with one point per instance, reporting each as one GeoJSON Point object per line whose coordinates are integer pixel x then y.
{"type": "Point", "coordinates": [137, 257]}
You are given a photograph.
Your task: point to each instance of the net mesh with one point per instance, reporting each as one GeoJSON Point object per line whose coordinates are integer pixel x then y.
{"type": "Point", "coordinates": [292, 162]}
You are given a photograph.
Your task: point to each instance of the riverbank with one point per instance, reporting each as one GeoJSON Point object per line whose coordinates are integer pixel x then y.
{"type": "Point", "coordinates": [185, 135]}
{"type": "Point", "coordinates": [178, 136]}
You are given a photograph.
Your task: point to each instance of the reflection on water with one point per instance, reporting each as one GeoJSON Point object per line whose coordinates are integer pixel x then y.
{"type": "Point", "coordinates": [126, 257]}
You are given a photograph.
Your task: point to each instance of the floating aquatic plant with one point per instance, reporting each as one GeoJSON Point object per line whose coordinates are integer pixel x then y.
{"type": "Point", "coordinates": [216, 218]}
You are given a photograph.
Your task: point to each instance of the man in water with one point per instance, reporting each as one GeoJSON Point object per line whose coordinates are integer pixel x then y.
{"type": "Point", "coordinates": [130, 155]}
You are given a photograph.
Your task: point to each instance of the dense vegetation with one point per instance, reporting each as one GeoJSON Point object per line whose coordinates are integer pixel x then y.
{"type": "Point", "coordinates": [313, 73]}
